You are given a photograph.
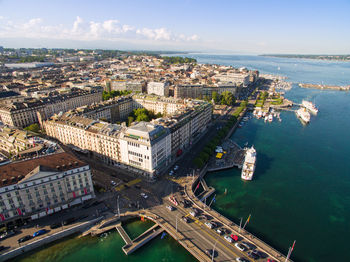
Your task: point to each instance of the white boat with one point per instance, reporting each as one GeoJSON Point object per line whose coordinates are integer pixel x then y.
{"type": "Point", "coordinates": [303, 115]}
{"type": "Point", "coordinates": [259, 114]}
{"type": "Point", "coordinates": [310, 106]}
{"type": "Point", "coordinates": [270, 117]}
{"type": "Point", "coordinates": [249, 164]}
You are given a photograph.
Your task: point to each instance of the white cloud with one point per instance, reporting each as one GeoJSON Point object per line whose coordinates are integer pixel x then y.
{"type": "Point", "coordinates": [111, 30]}
{"type": "Point", "coordinates": [76, 25]}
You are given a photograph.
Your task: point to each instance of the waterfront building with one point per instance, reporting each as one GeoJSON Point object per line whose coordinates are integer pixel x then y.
{"type": "Point", "coordinates": [38, 187]}
{"type": "Point", "coordinates": [158, 88]}
{"type": "Point", "coordinates": [146, 148]}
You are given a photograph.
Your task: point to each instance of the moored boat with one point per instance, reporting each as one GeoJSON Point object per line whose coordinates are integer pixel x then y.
{"type": "Point", "coordinates": [249, 164]}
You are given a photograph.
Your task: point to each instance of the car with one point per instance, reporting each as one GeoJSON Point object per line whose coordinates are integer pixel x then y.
{"type": "Point", "coordinates": [241, 259]}
{"type": "Point", "coordinates": [211, 252]}
{"type": "Point", "coordinates": [2, 248]}
{"type": "Point", "coordinates": [234, 237]}
{"type": "Point", "coordinates": [56, 225]}
{"type": "Point", "coordinates": [176, 167]}
{"type": "Point", "coordinates": [144, 195]}
{"type": "Point", "coordinates": [219, 231]}
{"type": "Point", "coordinates": [193, 213]}
{"type": "Point", "coordinates": [24, 239]}
{"type": "Point", "coordinates": [69, 221]}
{"type": "Point", "coordinates": [186, 219]}
{"type": "Point", "coordinates": [7, 234]}
{"type": "Point", "coordinates": [171, 208]}
{"type": "Point", "coordinates": [246, 245]}
{"type": "Point", "coordinates": [240, 247]}
{"type": "Point", "coordinates": [228, 239]}
{"type": "Point", "coordinates": [171, 173]}
{"type": "Point", "coordinates": [113, 183]}
{"type": "Point", "coordinates": [40, 232]}
{"type": "Point", "coordinates": [210, 225]}
{"type": "Point", "coordinates": [187, 202]}
{"type": "Point", "coordinates": [253, 255]}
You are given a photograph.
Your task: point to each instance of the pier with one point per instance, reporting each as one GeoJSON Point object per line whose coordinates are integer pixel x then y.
{"type": "Point", "coordinates": [234, 157]}
{"type": "Point", "coordinates": [139, 241]}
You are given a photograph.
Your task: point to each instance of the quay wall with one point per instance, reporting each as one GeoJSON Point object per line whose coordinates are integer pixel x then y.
{"type": "Point", "coordinates": [46, 240]}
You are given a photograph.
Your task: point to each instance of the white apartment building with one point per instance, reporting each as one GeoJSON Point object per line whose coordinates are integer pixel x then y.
{"type": "Point", "coordinates": [145, 146]}
{"type": "Point", "coordinates": [41, 186]}
{"type": "Point", "coordinates": [158, 88]}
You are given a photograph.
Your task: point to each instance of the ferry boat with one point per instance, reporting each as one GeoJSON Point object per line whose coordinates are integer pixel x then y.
{"type": "Point", "coordinates": [310, 106]}
{"type": "Point", "coordinates": [249, 164]}
{"type": "Point", "coordinates": [303, 115]}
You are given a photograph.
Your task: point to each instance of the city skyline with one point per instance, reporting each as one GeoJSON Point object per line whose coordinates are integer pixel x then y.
{"type": "Point", "coordinates": [228, 27]}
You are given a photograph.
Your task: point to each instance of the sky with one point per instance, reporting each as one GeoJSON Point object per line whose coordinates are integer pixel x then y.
{"type": "Point", "coordinates": [221, 26]}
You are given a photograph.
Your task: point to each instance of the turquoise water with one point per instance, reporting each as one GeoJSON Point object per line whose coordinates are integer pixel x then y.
{"type": "Point", "coordinates": [300, 188]}
{"type": "Point", "coordinates": [96, 249]}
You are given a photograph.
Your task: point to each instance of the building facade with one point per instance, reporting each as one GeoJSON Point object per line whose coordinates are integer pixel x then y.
{"type": "Point", "coordinates": [42, 186]}
{"type": "Point", "coordinates": [30, 111]}
{"type": "Point", "coordinates": [158, 88]}
{"type": "Point", "coordinates": [145, 146]}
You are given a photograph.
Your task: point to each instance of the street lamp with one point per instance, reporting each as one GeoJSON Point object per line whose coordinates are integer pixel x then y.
{"type": "Point", "coordinates": [118, 206]}
{"type": "Point", "coordinates": [212, 255]}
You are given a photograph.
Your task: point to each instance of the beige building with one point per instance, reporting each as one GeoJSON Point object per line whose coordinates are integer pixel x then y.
{"type": "Point", "coordinates": [22, 114]}
{"type": "Point", "coordinates": [158, 88]}
{"type": "Point", "coordinates": [87, 134]}
{"type": "Point", "coordinates": [144, 147]}
{"type": "Point", "coordinates": [157, 104]}
{"type": "Point", "coordinates": [42, 186]}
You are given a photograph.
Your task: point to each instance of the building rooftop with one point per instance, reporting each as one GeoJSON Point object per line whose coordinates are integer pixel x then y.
{"type": "Point", "coordinates": [12, 173]}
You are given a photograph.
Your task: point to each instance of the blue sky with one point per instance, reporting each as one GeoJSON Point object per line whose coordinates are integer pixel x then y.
{"type": "Point", "coordinates": [216, 26]}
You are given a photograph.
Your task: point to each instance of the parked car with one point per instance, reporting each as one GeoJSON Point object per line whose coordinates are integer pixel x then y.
{"type": "Point", "coordinates": [253, 255]}
{"type": "Point", "coordinates": [171, 208]}
{"type": "Point", "coordinates": [56, 225]}
{"type": "Point", "coordinates": [210, 225]}
{"type": "Point", "coordinates": [113, 183]}
{"type": "Point", "coordinates": [144, 195]}
{"type": "Point", "coordinates": [7, 234]}
{"type": "Point", "coordinates": [219, 231]}
{"type": "Point", "coordinates": [24, 239]}
{"type": "Point", "coordinates": [228, 239]}
{"type": "Point", "coordinates": [176, 167]}
{"type": "Point", "coordinates": [40, 232]}
{"type": "Point", "coordinates": [211, 252]}
{"type": "Point", "coordinates": [69, 221]}
{"type": "Point", "coordinates": [186, 219]}
{"type": "Point", "coordinates": [240, 247]}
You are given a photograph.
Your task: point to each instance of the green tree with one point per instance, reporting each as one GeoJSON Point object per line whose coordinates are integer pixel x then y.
{"type": "Point", "coordinates": [130, 120]}
{"type": "Point", "coordinates": [215, 97]}
{"type": "Point", "coordinates": [227, 98]}
{"type": "Point", "coordinates": [33, 128]}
